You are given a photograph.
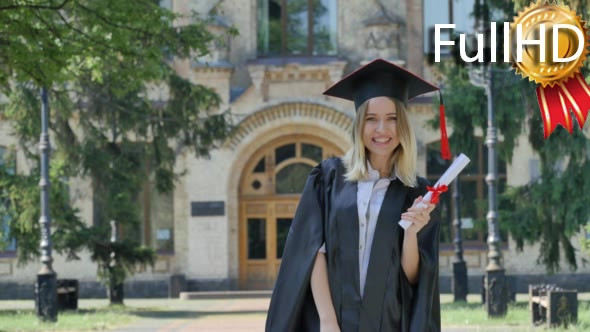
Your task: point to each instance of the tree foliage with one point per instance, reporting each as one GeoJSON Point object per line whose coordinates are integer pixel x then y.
{"type": "Point", "coordinates": [558, 209]}
{"type": "Point", "coordinates": [552, 209]}
{"type": "Point", "coordinates": [99, 58]}
{"type": "Point", "coordinates": [467, 108]}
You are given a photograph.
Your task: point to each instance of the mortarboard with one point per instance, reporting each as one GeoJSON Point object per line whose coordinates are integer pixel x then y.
{"type": "Point", "coordinates": [383, 78]}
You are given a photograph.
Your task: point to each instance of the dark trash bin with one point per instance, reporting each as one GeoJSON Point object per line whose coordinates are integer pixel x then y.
{"type": "Point", "coordinates": [177, 285]}
{"type": "Point", "coordinates": [67, 294]}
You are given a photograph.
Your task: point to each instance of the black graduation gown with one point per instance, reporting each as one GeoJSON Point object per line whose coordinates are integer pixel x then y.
{"type": "Point", "coordinates": [327, 213]}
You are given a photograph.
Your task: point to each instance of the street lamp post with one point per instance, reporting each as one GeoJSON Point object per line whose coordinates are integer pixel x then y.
{"type": "Point", "coordinates": [460, 283]}
{"type": "Point", "coordinates": [45, 288]}
{"type": "Point", "coordinates": [495, 281]}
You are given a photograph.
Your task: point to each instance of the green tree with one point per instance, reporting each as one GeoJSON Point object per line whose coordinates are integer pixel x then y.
{"type": "Point", "coordinates": [552, 209]}
{"type": "Point", "coordinates": [466, 111]}
{"type": "Point", "coordinates": [98, 57]}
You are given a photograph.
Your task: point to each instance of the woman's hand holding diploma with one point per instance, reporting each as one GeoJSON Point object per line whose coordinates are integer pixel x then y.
{"type": "Point", "coordinates": [441, 186]}
{"type": "Point", "coordinates": [418, 214]}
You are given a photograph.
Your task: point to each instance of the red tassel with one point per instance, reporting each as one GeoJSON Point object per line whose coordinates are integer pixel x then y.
{"type": "Point", "coordinates": [445, 149]}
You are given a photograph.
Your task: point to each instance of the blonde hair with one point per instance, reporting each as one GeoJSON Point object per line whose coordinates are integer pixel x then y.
{"type": "Point", "coordinates": [403, 157]}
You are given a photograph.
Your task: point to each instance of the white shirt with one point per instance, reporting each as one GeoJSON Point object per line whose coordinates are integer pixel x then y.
{"type": "Point", "coordinates": [369, 198]}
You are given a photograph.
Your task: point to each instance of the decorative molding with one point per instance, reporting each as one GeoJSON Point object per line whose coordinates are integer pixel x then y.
{"type": "Point", "coordinates": [299, 72]}
{"type": "Point", "coordinates": [312, 111]}
{"type": "Point", "coordinates": [257, 73]}
{"type": "Point", "coordinates": [335, 70]}
{"type": "Point", "coordinates": [398, 62]}
{"type": "Point", "coordinates": [263, 75]}
{"type": "Point", "coordinates": [385, 17]}
{"type": "Point", "coordinates": [213, 68]}
{"type": "Point", "coordinates": [426, 108]}
{"type": "Point", "coordinates": [385, 33]}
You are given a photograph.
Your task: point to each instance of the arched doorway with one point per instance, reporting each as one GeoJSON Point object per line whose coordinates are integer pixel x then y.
{"type": "Point", "coordinates": [270, 188]}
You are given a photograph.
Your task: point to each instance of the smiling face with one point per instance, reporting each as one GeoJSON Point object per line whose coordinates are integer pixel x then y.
{"type": "Point", "coordinates": [380, 127]}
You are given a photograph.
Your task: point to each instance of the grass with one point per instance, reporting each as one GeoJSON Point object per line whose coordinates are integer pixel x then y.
{"type": "Point", "coordinates": [96, 319]}
{"type": "Point", "coordinates": [518, 317]}
{"type": "Point", "coordinates": [96, 315]}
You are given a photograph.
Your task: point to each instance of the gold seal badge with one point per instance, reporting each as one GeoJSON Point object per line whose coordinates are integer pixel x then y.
{"type": "Point", "coordinates": [548, 73]}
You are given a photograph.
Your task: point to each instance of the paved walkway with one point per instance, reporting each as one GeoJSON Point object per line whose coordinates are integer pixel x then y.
{"type": "Point", "coordinates": [247, 315]}
{"type": "Point", "coordinates": [235, 315]}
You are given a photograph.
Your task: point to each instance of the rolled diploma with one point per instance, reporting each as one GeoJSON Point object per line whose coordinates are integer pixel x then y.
{"type": "Point", "coordinates": [450, 174]}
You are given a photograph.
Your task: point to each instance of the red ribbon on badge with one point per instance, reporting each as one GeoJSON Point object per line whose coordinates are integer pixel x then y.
{"type": "Point", "coordinates": [561, 87]}
{"type": "Point", "coordinates": [436, 191]}
{"type": "Point", "coordinates": [556, 101]}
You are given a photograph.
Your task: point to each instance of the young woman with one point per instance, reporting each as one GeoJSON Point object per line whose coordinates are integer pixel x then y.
{"type": "Point", "coordinates": [347, 264]}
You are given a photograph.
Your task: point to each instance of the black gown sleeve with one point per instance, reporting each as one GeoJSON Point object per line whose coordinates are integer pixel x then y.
{"type": "Point", "coordinates": [292, 307]}
{"type": "Point", "coordinates": [425, 297]}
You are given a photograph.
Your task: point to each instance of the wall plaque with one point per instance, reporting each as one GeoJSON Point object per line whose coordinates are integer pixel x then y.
{"type": "Point", "coordinates": [208, 208]}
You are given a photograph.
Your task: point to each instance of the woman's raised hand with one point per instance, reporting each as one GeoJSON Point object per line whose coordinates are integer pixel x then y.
{"type": "Point", "coordinates": [418, 216]}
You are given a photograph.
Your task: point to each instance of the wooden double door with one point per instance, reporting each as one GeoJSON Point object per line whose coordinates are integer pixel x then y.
{"type": "Point", "coordinates": [264, 226]}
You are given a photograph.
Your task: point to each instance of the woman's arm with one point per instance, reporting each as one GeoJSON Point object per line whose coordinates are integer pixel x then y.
{"type": "Point", "coordinates": [410, 256]}
{"type": "Point", "coordinates": [321, 293]}
{"type": "Point", "coordinates": [419, 216]}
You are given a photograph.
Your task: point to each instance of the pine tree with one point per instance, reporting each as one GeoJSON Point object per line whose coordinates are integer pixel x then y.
{"type": "Point", "coordinates": [98, 58]}
{"type": "Point", "coordinates": [553, 209]}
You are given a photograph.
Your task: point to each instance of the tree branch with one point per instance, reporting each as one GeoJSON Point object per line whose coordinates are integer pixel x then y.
{"type": "Point", "coordinates": [58, 7]}
{"type": "Point", "coordinates": [106, 45]}
{"type": "Point", "coordinates": [105, 20]}
{"type": "Point", "coordinates": [49, 26]}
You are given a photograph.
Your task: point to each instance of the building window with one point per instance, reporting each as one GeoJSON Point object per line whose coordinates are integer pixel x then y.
{"type": "Point", "coordinates": [292, 167]}
{"type": "Point", "coordinates": [474, 195]}
{"type": "Point", "coordinates": [458, 12]}
{"type": "Point", "coordinates": [166, 4]}
{"type": "Point", "coordinates": [256, 238]}
{"type": "Point", "coordinates": [157, 216]}
{"type": "Point", "coordinates": [7, 242]}
{"type": "Point", "coordinates": [291, 178]}
{"type": "Point", "coordinates": [155, 228]}
{"type": "Point", "coordinates": [283, 167]}
{"type": "Point", "coordinates": [297, 27]}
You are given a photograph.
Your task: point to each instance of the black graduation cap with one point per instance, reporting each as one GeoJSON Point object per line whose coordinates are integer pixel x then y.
{"type": "Point", "coordinates": [383, 78]}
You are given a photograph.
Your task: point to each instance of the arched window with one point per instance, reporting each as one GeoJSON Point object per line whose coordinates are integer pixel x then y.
{"type": "Point", "coordinates": [474, 195]}
{"type": "Point", "coordinates": [291, 178]}
{"type": "Point", "coordinates": [282, 168]}
{"type": "Point", "coordinates": [297, 27]}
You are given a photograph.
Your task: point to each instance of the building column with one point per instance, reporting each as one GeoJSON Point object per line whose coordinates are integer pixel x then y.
{"type": "Point", "coordinates": [415, 28]}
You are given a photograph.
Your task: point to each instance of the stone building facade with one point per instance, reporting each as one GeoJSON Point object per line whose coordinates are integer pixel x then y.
{"type": "Point", "coordinates": [225, 224]}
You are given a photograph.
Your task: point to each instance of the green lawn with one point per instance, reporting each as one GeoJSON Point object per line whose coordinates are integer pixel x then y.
{"type": "Point", "coordinates": [82, 320]}
{"type": "Point", "coordinates": [518, 317]}
{"type": "Point", "coordinates": [96, 315]}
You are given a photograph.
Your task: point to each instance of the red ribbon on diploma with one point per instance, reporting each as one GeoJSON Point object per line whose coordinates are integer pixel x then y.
{"type": "Point", "coordinates": [555, 103]}
{"type": "Point", "coordinates": [436, 191]}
